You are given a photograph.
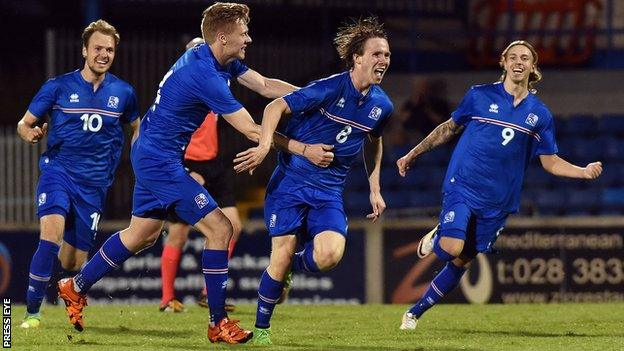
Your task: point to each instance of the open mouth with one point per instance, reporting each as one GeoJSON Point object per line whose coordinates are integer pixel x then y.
{"type": "Point", "coordinates": [379, 72]}
{"type": "Point", "coordinates": [518, 70]}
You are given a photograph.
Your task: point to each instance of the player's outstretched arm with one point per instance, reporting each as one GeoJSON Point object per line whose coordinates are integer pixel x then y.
{"type": "Point", "coordinates": [267, 87]}
{"type": "Point", "coordinates": [318, 154]}
{"type": "Point", "coordinates": [373, 149]}
{"type": "Point", "coordinates": [253, 157]}
{"type": "Point", "coordinates": [27, 131]}
{"type": "Point", "coordinates": [440, 135]}
{"type": "Point", "coordinates": [555, 165]}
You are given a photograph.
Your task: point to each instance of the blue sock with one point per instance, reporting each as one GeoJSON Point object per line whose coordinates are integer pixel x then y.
{"type": "Point", "coordinates": [40, 272]}
{"type": "Point", "coordinates": [110, 256]}
{"type": "Point", "coordinates": [269, 292]}
{"type": "Point", "coordinates": [442, 284]}
{"type": "Point", "coordinates": [215, 268]}
{"type": "Point", "coordinates": [303, 261]}
{"type": "Point", "coordinates": [439, 251]}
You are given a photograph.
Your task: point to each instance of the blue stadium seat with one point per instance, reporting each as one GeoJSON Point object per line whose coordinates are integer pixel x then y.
{"type": "Point", "coordinates": [612, 200]}
{"type": "Point", "coordinates": [537, 177]}
{"type": "Point", "coordinates": [582, 125]}
{"type": "Point", "coordinates": [611, 176]}
{"type": "Point", "coordinates": [551, 202]}
{"type": "Point", "coordinates": [588, 150]}
{"type": "Point", "coordinates": [396, 199]}
{"type": "Point", "coordinates": [357, 203]}
{"type": "Point", "coordinates": [585, 199]}
{"type": "Point", "coordinates": [413, 180]}
{"type": "Point", "coordinates": [357, 180]}
{"type": "Point", "coordinates": [566, 147]}
{"type": "Point", "coordinates": [390, 178]}
{"type": "Point", "coordinates": [613, 148]}
{"type": "Point", "coordinates": [560, 126]}
{"type": "Point", "coordinates": [611, 124]}
{"type": "Point", "coordinates": [425, 199]}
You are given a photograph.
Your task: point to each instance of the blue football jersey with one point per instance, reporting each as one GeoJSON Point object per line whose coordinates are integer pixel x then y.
{"type": "Point", "coordinates": [488, 164]}
{"type": "Point", "coordinates": [85, 136]}
{"type": "Point", "coordinates": [195, 85]}
{"type": "Point", "coordinates": [332, 111]}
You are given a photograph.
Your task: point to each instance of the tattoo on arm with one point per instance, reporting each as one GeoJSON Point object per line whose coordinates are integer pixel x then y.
{"type": "Point", "coordinates": [442, 134]}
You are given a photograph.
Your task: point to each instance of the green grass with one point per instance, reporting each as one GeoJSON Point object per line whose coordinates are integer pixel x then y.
{"type": "Point", "coordinates": [369, 327]}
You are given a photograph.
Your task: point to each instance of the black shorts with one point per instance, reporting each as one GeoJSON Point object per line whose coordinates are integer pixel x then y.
{"type": "Point", "coordinates": [219, 181]}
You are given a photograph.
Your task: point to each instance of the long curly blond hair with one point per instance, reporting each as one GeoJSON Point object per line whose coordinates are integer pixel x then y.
{"type": "Point", "coordinates": [534, 76]}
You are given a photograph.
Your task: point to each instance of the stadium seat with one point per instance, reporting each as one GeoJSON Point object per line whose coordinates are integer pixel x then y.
{"type": "Point", "coordinates": [425, 199]}
{"type": "Point", "coordinates": [551, 202]}
{"type": "Point", "coordinates": [537, 177]}
{"type": "Point", "coordinates": [396, 199]}
{"type": "Point", "coordinates": [357, 203]}
{"type": "Point", "coordinates": [581, 125]}
{"type": "Point", "coordinates": [582, 201]}
{"type": "Point", "coordinates": [390, 178]}
{"type": "Point", "coordinates": [611, 124]}
{"type": "Point", "coordinates": [588, 150]}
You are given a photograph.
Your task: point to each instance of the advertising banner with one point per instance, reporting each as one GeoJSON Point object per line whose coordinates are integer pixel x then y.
{"type": "Point", "coordinates": [542, 265]}
{"type": "Point", "coordinates": [138, 280]}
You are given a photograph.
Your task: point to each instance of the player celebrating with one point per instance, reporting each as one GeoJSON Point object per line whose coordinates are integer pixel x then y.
{"type": "Point", "coordinates": [87, 109]}
{"type": "Point", "coordinates": [347, 109]}
{"type": "Point", "coordinates": [505, 126]}
{"type": "Point", "coordinates": [197, 83]}
{"type": "Point", "coordinates": [206, 166]}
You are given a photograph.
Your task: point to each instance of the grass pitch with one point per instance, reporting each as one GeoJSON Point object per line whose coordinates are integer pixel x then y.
{"type": "Point", "coordinates": [368, 327]}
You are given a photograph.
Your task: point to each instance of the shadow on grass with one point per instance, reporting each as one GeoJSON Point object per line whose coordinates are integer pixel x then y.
{"type": "Point", "coordinates": [530, 333]}
{"type": "Point", "coordinates": [374, 348]}
{"type": "Point", "coordinates": [125, 331]}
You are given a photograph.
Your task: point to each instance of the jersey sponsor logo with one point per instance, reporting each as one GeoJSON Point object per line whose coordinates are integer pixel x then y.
{"type": "Point", "coordinates": [113, 102]}
{"type": "Point", "coordinates": [494, 108]}
{"type": "Point", "coordinates": [201, 200]}
{"type": "Point", "coordinates": [273, 220]}
{"type": "Point", "coordinates": [341, 102]}
{"type": "Point", "coordinates": [531, 119]}
{"type": "Point", "coordinates": [375, 113]}
{"type": "Point", "coordinates": [74, 98]}
{"type": "Point", "coordinates": [42, 198]}
{"type": "Point", "coordinates": [449, 217]}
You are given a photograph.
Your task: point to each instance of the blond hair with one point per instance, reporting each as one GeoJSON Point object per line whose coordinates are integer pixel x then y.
{"type": "Point", "coordinates": [99, 26]}
{"type": "Point", "coordinates": [534, 76]}
{"type": "Point", "coordinates": [222, 16]}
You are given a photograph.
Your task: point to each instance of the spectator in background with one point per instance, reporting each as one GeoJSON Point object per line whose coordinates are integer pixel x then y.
{"type": "Point", "coordinates": [426, 108]}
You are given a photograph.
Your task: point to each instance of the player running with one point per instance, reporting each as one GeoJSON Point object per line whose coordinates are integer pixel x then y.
{"type": "Point", "coordinates": [504, 126]}
{"type": "Point", "coordinates": [87, 109]}
{"type": "Point", "coordinates": [303, 201]}
{"type": "Point", "coordinates": [197, 83]}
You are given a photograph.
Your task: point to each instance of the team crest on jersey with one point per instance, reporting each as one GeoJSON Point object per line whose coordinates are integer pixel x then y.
{"type": "Point", "coordinates": [449, 217]}
{"type": "Point", "coordinates": [341, 102]}
{"type": "Point", "coordinates": [201, 200]}
{"type": "Point", "coordinates": [531, 120]}
{"type": "Point", "coordinates": [74, 98]}
{"type": "Point", "coordinates": [42, 198]}
{"type": "Point", "coordinates": [375, 113]}
{"type": "Point", "coordinates": [113, 102]}
{"type": "Point", "coordinates": [494, 108]}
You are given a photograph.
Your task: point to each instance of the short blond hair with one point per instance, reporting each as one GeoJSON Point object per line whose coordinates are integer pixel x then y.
{"type": "Point", "coordinates": [222, 16]}
{"type": "Point", "coordinates": [99, 26]}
